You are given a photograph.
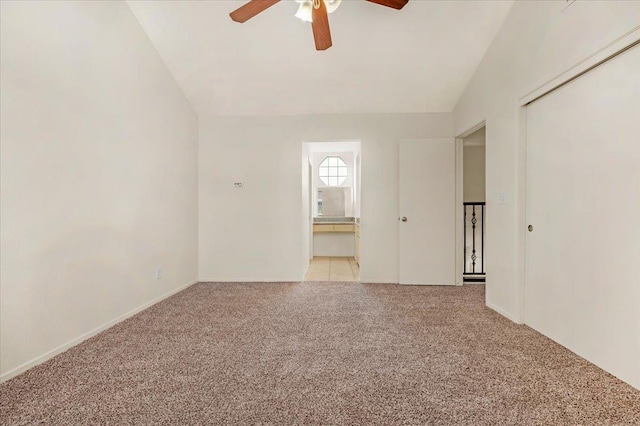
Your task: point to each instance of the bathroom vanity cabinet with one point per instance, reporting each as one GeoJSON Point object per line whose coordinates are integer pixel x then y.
{"type": "Point", "coordinates": [336, 227]}
{"type": "Point", "coordinates": [334, 236]}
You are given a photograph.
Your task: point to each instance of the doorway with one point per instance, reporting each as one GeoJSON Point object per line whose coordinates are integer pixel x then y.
{"type": "Point", "coordinates": [331, 205]}
{"type": "Point", "coordinates": [473, 206]}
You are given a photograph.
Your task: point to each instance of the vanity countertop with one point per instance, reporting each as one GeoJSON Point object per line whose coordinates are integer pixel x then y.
{"type": "Point", "coordinates": [333, 220]}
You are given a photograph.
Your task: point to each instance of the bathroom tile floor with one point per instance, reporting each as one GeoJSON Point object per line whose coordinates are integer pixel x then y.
{"type": "Point", "coordinates": [333, 269]}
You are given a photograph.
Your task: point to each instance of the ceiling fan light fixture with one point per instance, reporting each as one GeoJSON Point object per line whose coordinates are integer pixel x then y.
{"type": "Point", "coordinates": [332, 5]}
{"type": "Point", "coordinates": [305, 10]}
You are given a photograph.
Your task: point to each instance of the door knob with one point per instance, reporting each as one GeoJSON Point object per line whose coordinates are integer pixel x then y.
{"type": "Point", "coordinates": [404, 218]}
{"type": "Point", "coordinates": [530, 228]}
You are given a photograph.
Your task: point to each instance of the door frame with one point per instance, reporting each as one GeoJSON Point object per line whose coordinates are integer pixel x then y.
{"type": "Point", "coordinates": [460, 199]}
{"type": "Point", "coordinates": [310, 185]}
{"type": "Point", "coordinates": [308, 200]}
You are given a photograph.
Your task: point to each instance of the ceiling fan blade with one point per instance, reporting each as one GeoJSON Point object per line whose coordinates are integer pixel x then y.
{"type": "Point", "coordinates": [251, 9]}
{"type": "Point", "coordinates": [394, 4]}
{"type": "Point", "coordinates": [320, 26]}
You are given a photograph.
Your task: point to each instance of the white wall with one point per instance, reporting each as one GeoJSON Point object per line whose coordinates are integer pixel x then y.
{"type": "Point", "coordinates": [473, 174]}
{"type": "Point", "coordinates": [98, 175]}
{"type": "Point", "coordinates": [259, 225]}
{"type": "Point", "coordinates": [537, 42]}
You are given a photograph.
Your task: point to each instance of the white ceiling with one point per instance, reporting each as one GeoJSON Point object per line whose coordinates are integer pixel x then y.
{"type": "Point", "coordinates": [418, 59]}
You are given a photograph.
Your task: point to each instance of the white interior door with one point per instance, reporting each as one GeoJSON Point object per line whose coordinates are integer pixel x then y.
{"type": "Point", "coordinates": [583, 201]}
{"type": "Point", "coordinates": [427, 211]}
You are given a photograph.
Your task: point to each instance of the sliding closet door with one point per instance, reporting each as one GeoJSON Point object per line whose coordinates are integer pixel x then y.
{"type": "Point", "coordinates": [583, 206]}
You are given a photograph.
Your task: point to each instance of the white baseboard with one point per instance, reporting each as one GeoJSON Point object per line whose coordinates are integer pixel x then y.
{"type": "Point", "coordinates": [269, 281]}
{"type": "Point", "coordinates": [503, 312]}
{"type": "Point", "coordinates": [50, 354]}
{"type": "Point", "coordinates": [247, 281]}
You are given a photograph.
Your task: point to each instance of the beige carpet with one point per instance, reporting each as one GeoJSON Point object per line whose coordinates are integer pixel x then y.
{"type": "Point", "coordinates": [318, 353]}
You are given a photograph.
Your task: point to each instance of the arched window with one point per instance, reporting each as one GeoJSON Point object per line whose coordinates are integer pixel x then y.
{"type": "Point", "coordinates": [333, 171]}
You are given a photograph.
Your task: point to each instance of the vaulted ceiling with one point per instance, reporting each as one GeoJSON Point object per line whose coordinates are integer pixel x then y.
{"type": "Point", "coordinates": [418, 59]}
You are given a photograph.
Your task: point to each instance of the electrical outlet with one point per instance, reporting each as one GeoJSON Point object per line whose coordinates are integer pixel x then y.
{"type": "Point", "coordinates": [159, 273]}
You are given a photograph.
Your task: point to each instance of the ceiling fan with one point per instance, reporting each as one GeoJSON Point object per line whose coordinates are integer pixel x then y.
{"type": "Point", "coordinates": [314, 11]}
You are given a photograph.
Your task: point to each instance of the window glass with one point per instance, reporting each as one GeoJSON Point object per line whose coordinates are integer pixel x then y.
{"type": "Point", "coordinates": [333, 171]}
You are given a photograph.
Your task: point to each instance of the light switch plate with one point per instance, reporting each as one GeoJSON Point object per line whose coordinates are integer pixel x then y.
{"type": "Point", "coordinates": [502, 198]}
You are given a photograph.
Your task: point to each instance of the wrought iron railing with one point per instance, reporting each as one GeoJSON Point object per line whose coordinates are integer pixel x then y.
{"type": "Point", "coordinates": [474, 241]}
